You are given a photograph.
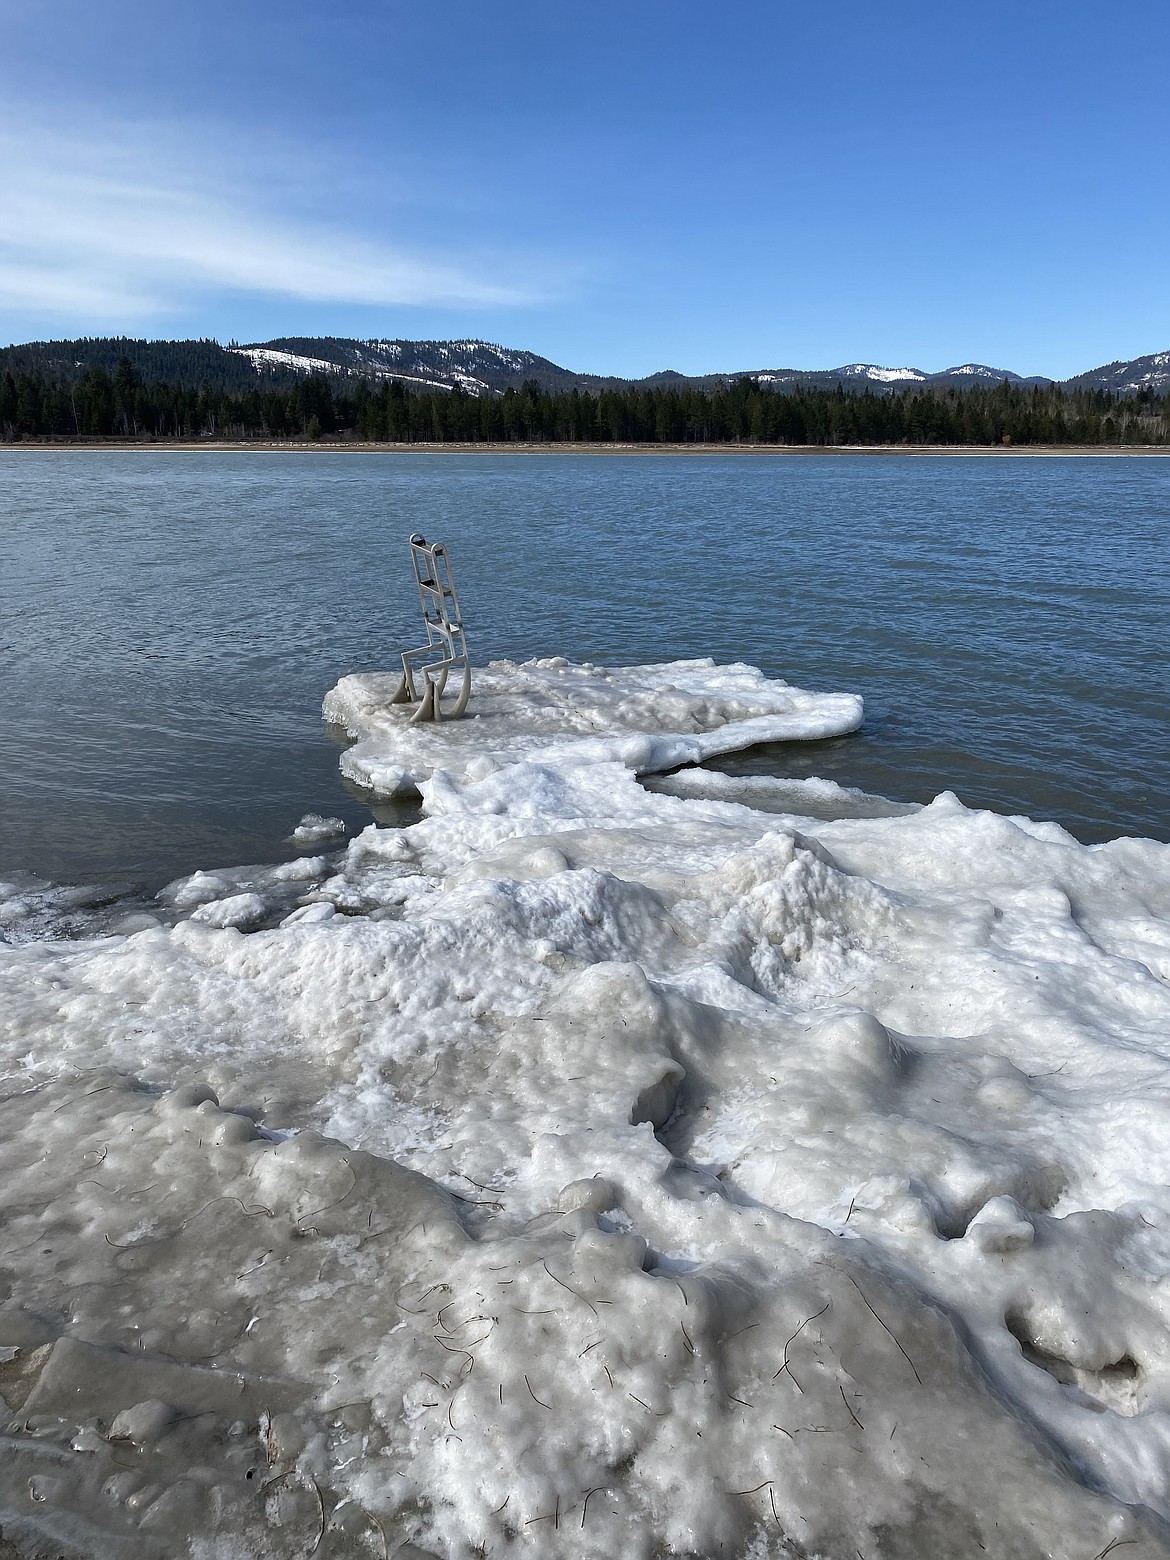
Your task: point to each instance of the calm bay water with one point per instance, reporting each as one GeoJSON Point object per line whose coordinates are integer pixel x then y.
{"type": "Point", "coordinates": [169, 622]}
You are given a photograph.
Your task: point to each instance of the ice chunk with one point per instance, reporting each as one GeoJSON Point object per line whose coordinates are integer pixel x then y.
{"type": "Point", "coordinates": [311, 915]}
{"type": "Point", "coordinates": [237, 910]}
{"type": "Point", "coordinates": [314, 828]}
{"type": "Point", "coordinates": [647, 717]}
{"type": "Point", "coordinates": [1001, 1226]}
{"type": "Point", "coordinates": [813, 798]}
{"type": "Point", "coordinates": [144, 1423]}
{"type": "Point", "coordinates": [198, 889]}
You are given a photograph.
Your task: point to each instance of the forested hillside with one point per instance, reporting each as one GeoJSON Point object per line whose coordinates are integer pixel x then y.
{"type": "Point", "coordinates": [99, 404]}
{"type": "Point", "coordinates": [184, 364]}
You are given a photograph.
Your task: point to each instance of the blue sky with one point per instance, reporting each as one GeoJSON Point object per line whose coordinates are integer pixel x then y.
{"type": "Point", "coordinates": [622, 188]}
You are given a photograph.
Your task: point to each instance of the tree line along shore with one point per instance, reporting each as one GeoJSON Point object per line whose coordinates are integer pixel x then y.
{"type": "Point", "coordinates": [120, 405]}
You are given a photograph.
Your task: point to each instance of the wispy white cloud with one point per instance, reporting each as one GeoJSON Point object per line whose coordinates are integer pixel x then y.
{"type": "Point", "coordinates": [100, 232]}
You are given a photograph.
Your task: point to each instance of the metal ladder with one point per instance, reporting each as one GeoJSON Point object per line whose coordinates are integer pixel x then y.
{"type": "Point", "coordinates": [446, 648]}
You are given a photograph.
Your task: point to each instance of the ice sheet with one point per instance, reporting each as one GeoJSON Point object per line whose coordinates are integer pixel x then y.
{"type": "Point", "coordinates": [812, 798]}
{"type": "Point", "coordinates": [600, 1172]}
{"type": "Point", "coordinates": [650, 718]}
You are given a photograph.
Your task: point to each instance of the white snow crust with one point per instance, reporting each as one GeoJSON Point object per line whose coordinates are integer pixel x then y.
{"type": "Point", "coordinates": [975, 370]}
{"type": "Point", "coordinates": [883, 375]}
{"type": "Point", "coordinates": [597, 1171]}
{"type": "Point", "coordinates": [649, 718]}
{"type": "Point", "coordinates": [266, 357]}
{"type": "Point", "coordinates": [272, 357]}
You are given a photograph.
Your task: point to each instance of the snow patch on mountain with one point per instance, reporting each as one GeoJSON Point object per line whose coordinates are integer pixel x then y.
{"type": "Point", "coordinates": [269, 357]}
{"type": "Point", "coordinates": [1128, 376]}
{"type": "Point", "coordinates": [975, 371]}
{"type": "Point", "coordinates": [478, 367]}
{"type": "Point", "coordinates": [880, 375]}
{"type": "Point", "coordinates": [1155, 377]}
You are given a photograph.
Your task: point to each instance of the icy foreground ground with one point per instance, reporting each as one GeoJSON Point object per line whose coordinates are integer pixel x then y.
{"type": "Point", "coordinates": [597, 1172]}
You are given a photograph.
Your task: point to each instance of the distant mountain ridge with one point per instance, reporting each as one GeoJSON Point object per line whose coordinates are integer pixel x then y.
{"type": "Point", "coordinates": [481, 368]}
{"type": "Point", "coordinates": [855, 376]}
{"type": "Point", "coordinates": [1151, 372]}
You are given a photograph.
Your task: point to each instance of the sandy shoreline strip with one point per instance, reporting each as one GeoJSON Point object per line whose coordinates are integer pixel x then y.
{"type": "Point", "coordinates": [319, 447]}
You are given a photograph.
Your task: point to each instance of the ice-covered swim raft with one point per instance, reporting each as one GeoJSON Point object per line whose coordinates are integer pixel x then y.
{"type": "Point", "coordinates": [590, 1170]}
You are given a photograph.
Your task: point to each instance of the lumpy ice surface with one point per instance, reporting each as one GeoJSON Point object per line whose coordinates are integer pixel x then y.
{"type": "Point", "coordinates": [590, 1170]}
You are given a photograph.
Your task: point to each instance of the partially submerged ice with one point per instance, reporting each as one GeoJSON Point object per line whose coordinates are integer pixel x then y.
{"type": "Point", "coordinates": [591, 1171]}
{"type": "Point", "coordinates": [649, 718]}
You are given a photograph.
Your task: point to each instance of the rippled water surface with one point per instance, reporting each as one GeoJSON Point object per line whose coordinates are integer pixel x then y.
{"type": "Point", "coordinates": [169, 622]}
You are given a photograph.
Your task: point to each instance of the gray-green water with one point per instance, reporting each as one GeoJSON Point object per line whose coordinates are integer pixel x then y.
{"type": "Point", "coordinates": [169, 622]}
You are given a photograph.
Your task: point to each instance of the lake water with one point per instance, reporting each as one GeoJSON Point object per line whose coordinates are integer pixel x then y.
{"type": "Point", "coordinates": [169, 622]}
